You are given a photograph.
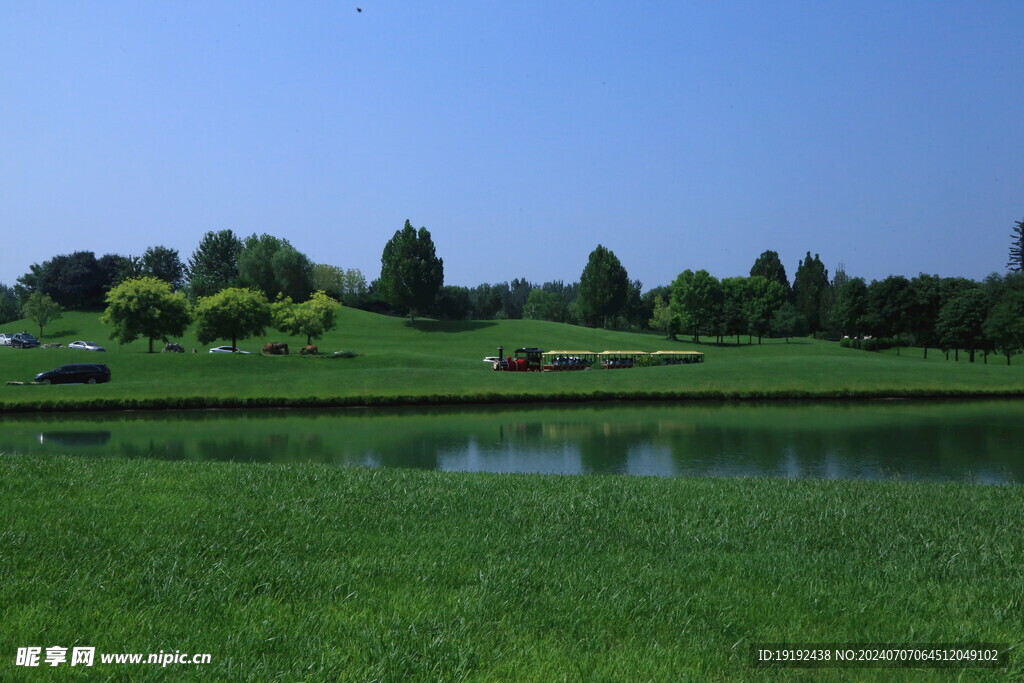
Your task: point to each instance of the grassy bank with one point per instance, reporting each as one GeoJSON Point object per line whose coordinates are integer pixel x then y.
{"type": "Point", "coordinates": [434, 362]}
{"type": "Point", "coordinates": [308, 572]}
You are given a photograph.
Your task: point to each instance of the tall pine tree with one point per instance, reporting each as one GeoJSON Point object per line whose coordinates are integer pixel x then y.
{"type": "Point", "coordinates": [411, 274]}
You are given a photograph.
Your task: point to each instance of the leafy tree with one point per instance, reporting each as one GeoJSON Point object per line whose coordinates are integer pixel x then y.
{"type": "Point", "coordinates": [603, 286]}
{"type": "Point", "coordinates": [696, 299]}
{"type": "Point", "coordinates": [960, 321]}
{"type": "Point", "coordinates": [9, 309]}
{"type": "Point", "coordinates": [214, 264]}
{"type": "Point", "coordinates": [764, 297]}
{"type": "Point", "coordinates": [515, 298]}
{"type": "Point", "coordinates": [664, 318]}
{"type": "Point", "coordinates": [146, 307]}
{"type": "Point", "coordinates": [1005, 324]}
{"type": "Point", "coordinates": [788, 322]}
{"type": "Point", "coordinates": [452, 303]}
{"type": "Point", "coordinates": [485, 300]}
{"type": "Point", "coordinates": [633, 310]}
{"type": "Point", "coordinates": [811, 290]}
{"type": "Point", "coordinates": [345, 285]}
{"type": "Point", "coordinates": [293, 273]}
{"type": "Point", "coordinates": [734, 295]}
{"type": "Point", "coordinates": [41, 309]}
{"type": "Point", "coordinates": [889, 305]}
{"type": "Point", "coordinates": [72, 280]}
{"type": "Point", "coordinates": [770, 267]}
{"type": "Point", "coordinates": [1016, 262]}
{"type": "Point", "coordinates": [411, 273]}
{"type": "Point", "coordinates": [163, 263]}
{"type": "Point", "coordinates": [233, 313]}
{"type": "Point", "coordinates": [312, 318]}
{"type": "Point", "coordinates": [273, 266]}
{"type": "Point", "coordinates": [328, 279]}
{"type": "Point", "coordinates": [925, 304]}
{"type": "Point", "coordinates": [851, 303]}
{"type": "Point", "coordinates": [115, 269]}
{"type": "Point", "coordinates": [840, 278]}
{"type": "Point", "coordinates": [545, 305]}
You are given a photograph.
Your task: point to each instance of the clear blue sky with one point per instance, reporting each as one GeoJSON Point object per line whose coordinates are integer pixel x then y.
{"type": "Point", "coordinates": [885, 135]}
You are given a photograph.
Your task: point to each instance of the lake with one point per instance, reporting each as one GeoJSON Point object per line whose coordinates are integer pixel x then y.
{"type": "Point", "coordinates": [930, 441]}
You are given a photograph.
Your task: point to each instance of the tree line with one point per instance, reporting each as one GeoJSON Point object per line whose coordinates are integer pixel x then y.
{"type": "Point", "coordinates": [950, 314]}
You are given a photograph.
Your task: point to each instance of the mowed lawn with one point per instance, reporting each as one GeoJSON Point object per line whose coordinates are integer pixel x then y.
{"type": "Point", "coordinates": [439, 361]}
{"type": "Point", "coordinates": [310, 572]}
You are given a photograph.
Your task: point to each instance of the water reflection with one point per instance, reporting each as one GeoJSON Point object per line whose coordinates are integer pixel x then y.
{"type": "Point", "coordinates": [874, 440]}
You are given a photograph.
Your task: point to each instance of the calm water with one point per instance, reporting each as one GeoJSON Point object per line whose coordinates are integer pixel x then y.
{"type": "Point", "coordinates": [967, 441]}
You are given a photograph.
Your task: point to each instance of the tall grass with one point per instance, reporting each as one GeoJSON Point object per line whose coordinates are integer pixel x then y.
{"type": "Point", "coordinates": [306, 572]}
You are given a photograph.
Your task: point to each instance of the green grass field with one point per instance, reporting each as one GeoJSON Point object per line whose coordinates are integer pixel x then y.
{"type": "Point", "coordinates": [440, 362]}
{"type": "Point", "coordinates": [309, 572]}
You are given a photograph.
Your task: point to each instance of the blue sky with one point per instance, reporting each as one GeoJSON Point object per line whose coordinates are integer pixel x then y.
{"type": "Point", "coordinates": [884, 135]}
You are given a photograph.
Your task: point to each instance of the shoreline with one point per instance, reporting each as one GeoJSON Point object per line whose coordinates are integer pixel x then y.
{"type": "Point", "coordinates": [429, 400]}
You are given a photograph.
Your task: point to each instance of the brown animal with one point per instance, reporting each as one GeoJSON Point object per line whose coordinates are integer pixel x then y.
{"type": "Point", "coordinates": [309, 350]}
{"type": "Point", "coordinates": [275, 349]}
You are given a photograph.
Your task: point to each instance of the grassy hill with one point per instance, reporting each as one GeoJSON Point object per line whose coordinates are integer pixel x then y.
{"type": "Point", "coordinates": [432, 361]}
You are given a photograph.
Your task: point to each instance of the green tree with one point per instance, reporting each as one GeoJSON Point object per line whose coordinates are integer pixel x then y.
{"type": "Point", "coordinates": [734, 295]}
{"type": "Point", "coordinates": [273, 266]}
{"type": "Point", "coordinates": [961, 319]}
{"type": "Point", "coordinates": [213, 266]}
{"type": "Point", "coordinates": [788, 321]}
{"type": "Point", "coordinates": [411, 274]}
{"type": "Point", "coordinates": [147, 307]}
{"type": "Point", "coordinates": [769, 266]}
{"type": "Point", "coordinates": [115, 269]}
{"type": "Point", "coordinates": [544, 305]}
{"type": "Point", "coordinates": [9, 309]}
{"type": "Point", "coordinates": [811, 290]}
{"type": "Point", "coordinates": [851, 301]}
{"type": "Point", "coordinates": [41, 309]}
{"type": "Point", "coordinates": [889, 307]}
{"type": "Point", "coordinates": [163, 263]}
{"type": "Point", "coordinates": [312, 318]}
{"type": "Point", "coordinates": [1005, 324]}
{"type": "Point", "coordinates": [1016, 262]}
{"type": "Point", "coordinates": [452, 303]}
{"type": "Point", "coordinates": [74, 281]}
{"type": "Point", "coordinates": [925, 304]}
{"type": "Point", "coordinates": [664, 319]}
{"type": "Point", "coordinates": [233, 313]}
{"type": "Point", "coordinates": [603, 286]}
{"type": "Point", "coordinates": [696, 299]}
{"type": "Point", "coordinates": [764, 297]}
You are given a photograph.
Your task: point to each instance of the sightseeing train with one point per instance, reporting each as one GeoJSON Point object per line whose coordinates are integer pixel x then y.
{"type": "Point", "coordinates": [532, 359]}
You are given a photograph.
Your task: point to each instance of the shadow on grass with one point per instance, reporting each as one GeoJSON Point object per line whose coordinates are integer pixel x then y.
{"type": "Point", "coordinates": [450, 326]}
{"type": "Point", "coordinates": [58, 334]}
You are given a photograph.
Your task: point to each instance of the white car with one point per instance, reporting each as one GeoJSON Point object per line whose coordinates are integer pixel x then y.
{"type": "Point", "coordinates": [5, 339]}
{"type": "Point", "coordinates": [227, 349]}
{"type": "Point", "coordinates": [86, 346]}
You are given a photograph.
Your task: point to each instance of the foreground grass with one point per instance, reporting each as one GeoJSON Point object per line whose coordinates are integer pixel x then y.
{"type": "Point", "coordinates": [434, 362]}
{"type": "Point", "coordinates": [306, 572]}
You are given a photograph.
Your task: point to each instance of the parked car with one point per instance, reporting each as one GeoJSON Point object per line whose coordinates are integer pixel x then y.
{"type": "Point", "coordinates": [24, 340]}
{"type": "Point", "coordinates": [227, 349]}
{"type": "Point", "coordinates": [79, 373]}
{"type": "Point", "coordinates": [86, 346]}
{"type": "Point", "coordinates": [5, 339]}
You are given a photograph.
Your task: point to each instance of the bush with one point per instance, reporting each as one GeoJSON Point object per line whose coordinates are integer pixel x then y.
{"type": "Point", "coordinates": [844, 342]}
{"type": "Point", "coordinates": [645, 362]}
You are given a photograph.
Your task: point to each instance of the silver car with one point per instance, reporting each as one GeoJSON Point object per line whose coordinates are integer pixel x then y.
{"type": "Point", "coordinates": [86, 346]}
{"type": "Point", "coordinates": [5, 339]}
